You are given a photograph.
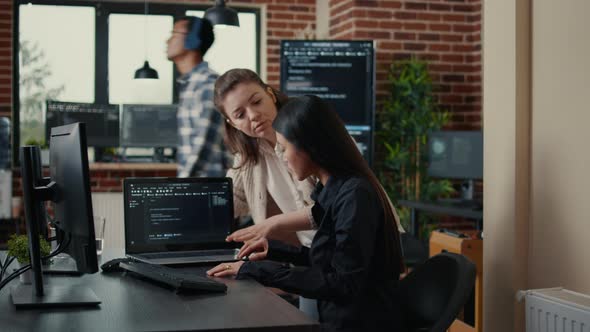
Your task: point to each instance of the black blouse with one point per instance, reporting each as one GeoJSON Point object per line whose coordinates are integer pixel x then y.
{"type": "Point", "coordinates": [344, 267]}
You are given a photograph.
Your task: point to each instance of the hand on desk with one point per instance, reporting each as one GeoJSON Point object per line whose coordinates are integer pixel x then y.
{"type": "Point", "coordinates": [225, 269]}
{"type": "Point", "coordinates": [251, 250]}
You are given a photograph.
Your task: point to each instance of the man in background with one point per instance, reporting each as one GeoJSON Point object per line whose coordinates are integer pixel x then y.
{"type": "Point", "coordinates": [201, 151]}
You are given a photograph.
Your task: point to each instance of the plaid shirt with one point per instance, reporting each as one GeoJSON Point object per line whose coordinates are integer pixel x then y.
{"type": "Point", "coordinates": [201, 151]}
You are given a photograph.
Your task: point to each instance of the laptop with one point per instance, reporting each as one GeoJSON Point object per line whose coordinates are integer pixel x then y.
{"type": "Point", "coordinates": [179, 220]}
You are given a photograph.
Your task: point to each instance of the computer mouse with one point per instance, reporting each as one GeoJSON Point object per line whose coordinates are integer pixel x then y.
{"type": "Point", "coordinates": [113, 265]}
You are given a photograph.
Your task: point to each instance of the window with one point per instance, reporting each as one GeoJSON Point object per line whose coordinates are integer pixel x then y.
{"type": "Point", "coordinates": [88, 51]}
{"type": "Point", "coordinates": [132, 40]}
{"type": "Point", "coordinates": [230, 41]}
{"type": "Point", "coordinates": [55, 62]}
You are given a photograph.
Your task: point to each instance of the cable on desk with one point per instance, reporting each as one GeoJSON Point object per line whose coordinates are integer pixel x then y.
{"type": "Point", "coordinates": [3, 266]}
{"type": "Point", "coordinates": [51, 222]}
{"type": "Point", "coordinates": [60, 248]}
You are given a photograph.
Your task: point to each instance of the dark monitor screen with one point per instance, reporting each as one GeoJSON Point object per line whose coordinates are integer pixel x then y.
{"type": "Point", "coordinates": [340, 72]}
{"type": "Point", "coordinates": [149, 126]}
{"type": "Point", "coordinates": [102, 121]}
{"type": "Point", "coordinates": [72, 201]}
{"type": "Point", "coordinates": [456, 154]}
{"type": "Point", "coordinates": [362, 136]}
{"type": "Point", "coordinates": [177, 214]}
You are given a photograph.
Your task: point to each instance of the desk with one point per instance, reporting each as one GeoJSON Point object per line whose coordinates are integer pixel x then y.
{"type": "Point", "coordinates": [131, 304]}
{"type": "Point", "coordinates": [440, 208]}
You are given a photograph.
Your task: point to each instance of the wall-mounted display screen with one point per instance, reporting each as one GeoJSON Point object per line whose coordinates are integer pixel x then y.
{"type": "Point", "coordinates": [342, 73]}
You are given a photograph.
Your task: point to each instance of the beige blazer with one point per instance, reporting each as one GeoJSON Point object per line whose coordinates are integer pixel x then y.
{"type": "Point", "coordinates": [253, 183]}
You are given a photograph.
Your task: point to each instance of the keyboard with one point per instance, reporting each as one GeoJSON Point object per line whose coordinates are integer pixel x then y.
{"type": "Point", "coordinates": [178, 280]}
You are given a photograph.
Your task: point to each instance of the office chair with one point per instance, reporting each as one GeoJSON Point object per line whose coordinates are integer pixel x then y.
{"type": "Point", "coordinates": [433, 294]}
{"type": "Point", "coordinates": [414, 251]}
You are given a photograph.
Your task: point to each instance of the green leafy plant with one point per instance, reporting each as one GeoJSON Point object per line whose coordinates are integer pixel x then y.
{"type": "Point", "coordinates": [110, 151]}
{"type": "Point", "coordinates": [408, 116]}
{"type": "Point", "coordinates": [18, 247]}
{"type": "Point", "coordinates": [41, 143]}
{"type": "Point", "coordinates": [36, 86]}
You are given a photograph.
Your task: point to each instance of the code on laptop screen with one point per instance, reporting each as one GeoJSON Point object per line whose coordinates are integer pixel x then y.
{"type": "Point", "coordinates": [178, 213]}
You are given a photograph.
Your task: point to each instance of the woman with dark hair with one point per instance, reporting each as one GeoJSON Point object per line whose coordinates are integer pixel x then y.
{"type": "Point", "coordinates": [355, 260]}
{"type": "Point", "coordinates": [280, 205]}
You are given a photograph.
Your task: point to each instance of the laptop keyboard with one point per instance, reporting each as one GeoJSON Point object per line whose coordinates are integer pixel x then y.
{"type": "Point", "coordinates": [205, 253]}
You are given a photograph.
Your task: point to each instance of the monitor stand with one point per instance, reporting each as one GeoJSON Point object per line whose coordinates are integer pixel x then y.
{"type": "Point", "coordinates": [37, 294]}
{"type": "Point", "coordinates": [24, 296]}
{"type": "Point", "coordinates": [466, 199]}
{"type": "Point", "coordinates": [467, 189]}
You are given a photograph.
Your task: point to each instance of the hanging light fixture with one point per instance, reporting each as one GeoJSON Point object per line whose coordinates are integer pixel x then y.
{"type": "Point", "coordinates": [222, 15]}
{"type": "Point", "coordinates": [145, 72]}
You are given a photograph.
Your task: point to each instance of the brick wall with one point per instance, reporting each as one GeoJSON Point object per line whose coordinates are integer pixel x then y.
{"type": "Point", "coordinates": [5, 57]}
{"type": "Point", "coordinates": [446, 33]}
{"type": "Point", "coordinates": [103, 179]}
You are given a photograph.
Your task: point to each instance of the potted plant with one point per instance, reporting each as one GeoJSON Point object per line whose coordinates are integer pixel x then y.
{"type": "Point", "coordinates": [408, 116]}
{"type": "Point", "coordinates": [18, 247]}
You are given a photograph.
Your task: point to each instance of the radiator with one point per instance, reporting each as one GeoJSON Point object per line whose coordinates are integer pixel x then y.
{"type": "Point", "coordinates": [556, 310]}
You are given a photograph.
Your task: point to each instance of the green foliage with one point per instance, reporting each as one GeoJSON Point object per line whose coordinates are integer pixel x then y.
{"type": "Point", "coordinates": [408, 116]}
{"type": "Point", "coordinates": [110, 151]}
{"type": "Point", "coordinates": [41, 143]}
{"type": "Point", "coordinates": [34, 72]}
{"type": "Point", "coordinates": [18, 247]}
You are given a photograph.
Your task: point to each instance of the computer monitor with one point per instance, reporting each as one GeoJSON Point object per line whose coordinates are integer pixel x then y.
{"type": "Point", "coordinates": [362, 136]}
{"type": "Point", "coordinates": [456, 155]}
{"type": "Point", "coordinates": [342, 72]}
{"type": "Point", "coordinates": [69, 188]}
{"type": "Point", "coordinates": [102, 121]}
{"type": "Point", "coordinates": [149, 126]}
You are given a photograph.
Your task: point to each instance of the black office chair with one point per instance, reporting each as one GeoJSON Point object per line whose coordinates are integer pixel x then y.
{"type": "Point", "coordinates": [414, 251]}
{"type": "Point", "coordinates": [433, 293]}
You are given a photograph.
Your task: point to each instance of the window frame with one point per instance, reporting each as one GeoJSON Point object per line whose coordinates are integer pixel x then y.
{"type": "Point", "coordinates": [101, 40]}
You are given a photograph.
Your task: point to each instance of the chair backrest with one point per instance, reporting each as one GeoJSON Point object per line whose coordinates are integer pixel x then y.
{"type": "Point", "coordinates": [433, 293]}
{"type": "Point", "coordinates": [413, 250]}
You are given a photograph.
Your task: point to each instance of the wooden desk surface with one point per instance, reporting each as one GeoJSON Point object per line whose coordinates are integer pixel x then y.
{"type": "Point", "coordinates": [131, 304]}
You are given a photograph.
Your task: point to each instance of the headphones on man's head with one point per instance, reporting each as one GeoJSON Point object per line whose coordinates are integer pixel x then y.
{"type": "Point", "coordinates": [192, 40]}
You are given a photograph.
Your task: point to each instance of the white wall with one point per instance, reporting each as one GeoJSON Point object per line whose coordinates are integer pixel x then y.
{"type": "Point", "coordinates": [536, 60]}
{"type": "Point", "coordinates": [506, 163]}
{"type": "Point", "coordinates": [110, 206]}
{"type": "Point", "coordinates": [560, 211]}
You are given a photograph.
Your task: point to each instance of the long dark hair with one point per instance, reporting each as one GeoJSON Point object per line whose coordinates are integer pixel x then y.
{"type": "Point", "coordinates": [313, 126]}
{"type": "Point", "coordinates": [238, 142]}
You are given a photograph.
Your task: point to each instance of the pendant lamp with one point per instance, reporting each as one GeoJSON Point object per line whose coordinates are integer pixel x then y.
{"type": "Point", "coordinates": [146, 72]}
{"type": "Point", "coordinates": [222, 15]}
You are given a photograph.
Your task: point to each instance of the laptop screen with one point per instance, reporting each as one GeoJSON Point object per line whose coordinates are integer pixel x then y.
{"type": "Point", "coordinates": [177, 214]}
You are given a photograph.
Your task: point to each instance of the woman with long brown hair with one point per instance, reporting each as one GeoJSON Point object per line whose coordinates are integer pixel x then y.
{"type": "Point", "coordinates": [263, 188]}
{"type": "Point", "coordinates": [280, 205]}
{"type": "Point", "coordinates": [355, 260]}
